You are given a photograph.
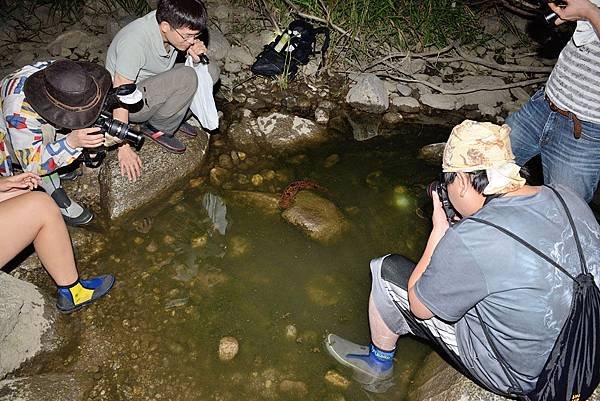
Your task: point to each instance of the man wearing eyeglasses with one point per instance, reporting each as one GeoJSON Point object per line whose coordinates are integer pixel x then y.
{"type": "Point", "coordinates": [144, 52]}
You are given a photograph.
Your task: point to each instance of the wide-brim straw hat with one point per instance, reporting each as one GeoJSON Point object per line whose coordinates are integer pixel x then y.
{"type": "Point", "coordinates": [69, 94]}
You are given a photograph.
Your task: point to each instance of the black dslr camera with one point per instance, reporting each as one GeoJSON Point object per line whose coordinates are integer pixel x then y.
{"type": "Point", "coordinates": [124, 94]}
{"type": "Point", "coordinates": [440, 188]}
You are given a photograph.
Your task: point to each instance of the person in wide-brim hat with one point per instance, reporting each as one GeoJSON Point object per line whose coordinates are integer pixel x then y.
{"type": "Point", "coordinates": [69, 94]}
{"type": "Point", "coordinates": [49, 114]}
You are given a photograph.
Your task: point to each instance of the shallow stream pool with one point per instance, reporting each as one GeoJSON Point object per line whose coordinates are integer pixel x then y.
{"type": "Point", "coordinates": [182, 286]}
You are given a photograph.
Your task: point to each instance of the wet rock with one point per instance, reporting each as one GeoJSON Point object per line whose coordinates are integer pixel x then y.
{"type": "Point", "coordinates": [257, 180]}
{"type": "Point", "coordinates": [275, 132]}
{"type": "Point", "coordinates": [232, 66]}
{"type": "Point", "coordinates": [152, 247]}
{"type": "Point", "coordinates": [67, 40]}
{"type": "Point", "coordinates": [392, 118]}
{"type": "Point", "coordinates": [162, 170]}
{"type": "Point", "coordinates": [225, 161]}
{"type": "Point", "coordinates": [443, 102]}
{"type": "Point", "coordinates": [200, 242]}
{"type": "Point", "coordinates": [323, 290]}
{"type": "Point", "coordinates": [218, 45]}
{"type": "Point", "coordinates": [296, 389]}
{"type": "Point", "coordinates": [264, 202]}
{"type": "Point", "coordinates": [218, 176]}
{"type": "Point", "coordinates": [520, 94]}
{"type": "Point", "coordinates": [238, 246]}
{"type": "Point", "coordinates": [483, 97]}
{"type": "Point", "coordinates": [47, 387]}
{"type": "Point", "coordinates": [433, 153]}
{"type": "Point", "coordinates": [403, 89]}
{"type": "Point", "coordinates": [331, 160]}
{"type": "Point", "coordinates": [406, 104]}
{"type": "Point", "coordinates": [364, 126]}
{"type": "Point", "coordinates": [337, 380]}
{"type": "Point", "coordinates": [291, 332]}
{"type": "Point", "coordinates": [321, 116]}
{"type": "Point", "coordinates": [289, 133]}
{"type": "Point", "coordinates": [228, 348]}
{"type": "Point", "coordinates": [317, 217]}
{"type": "Point", "coordinates": [26, 319]}
{"type": "Point", "coordinates": [438, 381]}
{"type": "Point", "coordinates": [240, 55]}
{"type": "Point", "coordinates": [368, 94]}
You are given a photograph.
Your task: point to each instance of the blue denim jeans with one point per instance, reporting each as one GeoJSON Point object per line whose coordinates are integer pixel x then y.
{"type": "Point", "coordinates": [537, 130]}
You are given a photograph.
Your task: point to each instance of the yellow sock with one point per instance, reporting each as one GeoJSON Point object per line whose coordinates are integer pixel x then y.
{"type": "Point", "coordinates": [80, 294]}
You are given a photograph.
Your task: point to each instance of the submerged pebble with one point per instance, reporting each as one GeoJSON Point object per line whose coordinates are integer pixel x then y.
{"type": "Point", "coordinates": [297, 388]}
{"type": "Point", "coordinates": [291, 332]}
{"type": "Point", "coordinates": [331, 160]}
{"type": "Point", "coordinates": [257, 180]}
{"type": "Point", "coordinates": [337, 380]}
{"type": "Point", "coordinates": [168, 239]}
{"type": "Point", "coordinates": [228, 348]}
{"type": "Point", "coordinates": [200, 242]}
{"type": "Point", "coordinates": [176, 303]}
{"type": "Point", "coordinates": [152, 247]}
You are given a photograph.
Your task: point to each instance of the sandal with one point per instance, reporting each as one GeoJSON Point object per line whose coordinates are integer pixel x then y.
{"type": "Point", "coordinates": [189, 129]}
{"type": "Point", "coordinates": [170, 143]}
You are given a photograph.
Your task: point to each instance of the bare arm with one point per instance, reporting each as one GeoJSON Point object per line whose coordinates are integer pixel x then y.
{"type": "Point", "coordinates": [440, 225]}
{"type": "Point", "coordinates": [129, 161]}
{"type": "Point", "coordinates": [576, 10]}
{"type": "Point", "coordinates": [121, 114]}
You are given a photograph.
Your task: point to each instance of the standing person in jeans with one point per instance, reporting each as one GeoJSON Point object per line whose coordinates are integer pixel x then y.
{"type": "Point", "coordinates": [144, 52]}
{"type": "Point", "coordinates": [562, 122]}
{"type": "Point", "coordinates": [471, 267]}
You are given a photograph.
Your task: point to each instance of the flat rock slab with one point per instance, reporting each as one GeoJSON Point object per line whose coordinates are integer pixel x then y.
{"type": "Point", "coordinates": [438, 381]}
{"type": "Point", "coordinates": [48, 387]}
{"type": "Point", "coordinates": [23, 322]}
{"type": "Point", "coordinates": [160, 171]}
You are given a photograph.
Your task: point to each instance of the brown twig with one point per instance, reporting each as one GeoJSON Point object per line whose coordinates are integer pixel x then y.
{"type": "Point", "coordinates": [270, 14]}
{"type": "Point", "coordinates": [410, 54]}
{"type": "Point", "coordinates": [321, 20]}
{"type": "Point", "coordinates": [466, 90]}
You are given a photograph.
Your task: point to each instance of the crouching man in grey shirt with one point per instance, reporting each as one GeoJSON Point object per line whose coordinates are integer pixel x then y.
{"type": "Point", "coordinates": [144, 52]}
{"type": "Point", "coordinates": [522, 299]}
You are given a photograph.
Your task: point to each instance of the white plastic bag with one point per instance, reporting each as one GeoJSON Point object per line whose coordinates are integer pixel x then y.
{"type": "Point", "coordinates": [203, 105]}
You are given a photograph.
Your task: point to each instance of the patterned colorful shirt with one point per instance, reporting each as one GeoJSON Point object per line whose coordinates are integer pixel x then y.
{"type": "Point", "coordinates": [22, 129]}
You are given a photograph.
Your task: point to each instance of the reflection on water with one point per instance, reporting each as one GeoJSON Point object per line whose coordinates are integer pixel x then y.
{"type": "Point", "coordinates": [182, 286]}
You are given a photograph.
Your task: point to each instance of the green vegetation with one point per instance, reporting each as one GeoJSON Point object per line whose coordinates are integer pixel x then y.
{"type": "Point", "coordinates": [404, 24]}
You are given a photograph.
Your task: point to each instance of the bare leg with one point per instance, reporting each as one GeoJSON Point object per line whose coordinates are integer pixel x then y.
{"type": "Point", "coordinates": [381, 336]}
{"type": "Point", "coordinates": [34, 217]}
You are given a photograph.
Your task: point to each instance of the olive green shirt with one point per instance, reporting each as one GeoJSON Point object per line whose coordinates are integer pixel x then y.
{"type": "Point", "coordinates": [138, 52]}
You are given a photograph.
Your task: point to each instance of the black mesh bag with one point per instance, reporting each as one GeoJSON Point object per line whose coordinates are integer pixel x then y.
{"type": "Point", "coordinates": [290, 49]}
{"type": "Point", "coordinates": [572, 370]}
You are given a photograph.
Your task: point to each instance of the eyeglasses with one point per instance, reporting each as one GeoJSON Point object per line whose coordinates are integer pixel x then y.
{"type": "Point", "coordinates": [188, 38]}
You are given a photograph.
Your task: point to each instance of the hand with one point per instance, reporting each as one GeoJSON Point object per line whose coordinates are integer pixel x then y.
{"type": "Point", "coordinates": [575, 10]}
{"type": "Point", "coordinates": [130, 162]}
{"type": "Point", "coordinates": [84, 138]}
{"type": "Point", "coordinates": [439, 218]}
{"type": "Point", "coordinates": [21, 181]}
{"type": "Point", "coordinates": [196, 50]}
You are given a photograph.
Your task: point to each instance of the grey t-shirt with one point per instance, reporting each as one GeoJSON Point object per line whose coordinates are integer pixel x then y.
{"type": "Point", "coordinates": [523, 299]}
{"type": "Point", "coordinates": [137, 51]}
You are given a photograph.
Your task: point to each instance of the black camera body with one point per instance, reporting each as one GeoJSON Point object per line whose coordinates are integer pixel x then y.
{"type": "Point", "coordinates": [441, 190]}
{"type": "Point", "coordinates": [118, 129]}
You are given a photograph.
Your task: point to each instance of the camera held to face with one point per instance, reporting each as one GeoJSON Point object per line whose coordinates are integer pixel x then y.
{"type": "Point", "coordinates": [551, 17]}
{"type": "Point", "coordinates": [440, 188]}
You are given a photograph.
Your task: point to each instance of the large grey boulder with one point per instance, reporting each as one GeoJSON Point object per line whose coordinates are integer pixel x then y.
{"type": "Point", "coordinates": [68, 40]}
{"type": "Point", "coordinates": [46, 387]}
{"type": "Point", "coordinates": [160, 171]}
{"type": "Point", "coordinates": [25, 322]}
{"type": "Point", "coordinates": [443, 102]}
{"type": "Point", "coordinates": [275, 132]}
{"type": "Point", "coordinates": [218, 45]}
{"type": "Point", "coordinates": [317, 217]}
{"type": "Point", "coordinates": [368, 94]}
{"type": "Point", "coordinates": [438, 381]}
